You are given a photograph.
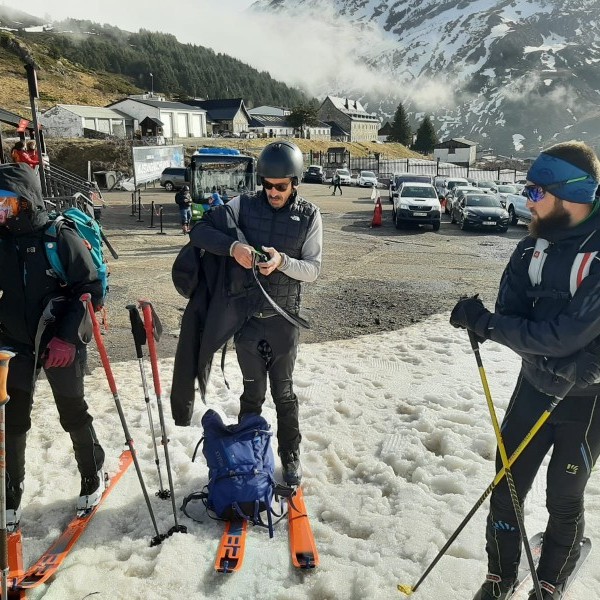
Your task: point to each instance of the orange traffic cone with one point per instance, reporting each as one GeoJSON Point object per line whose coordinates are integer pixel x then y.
{"type": "Point", "coordinates": [376, 222]}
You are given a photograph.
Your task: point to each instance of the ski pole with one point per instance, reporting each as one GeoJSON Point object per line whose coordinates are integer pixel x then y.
{"type": "Point", "coordinates": [408, 589]}
{"type": "Point", "coordinates": [504, 457]}
{"type": "Point", "coordinates": [139, 339]}
{"type": "Point", "coordinates": [5, 357]}
{"type": "Point", "coordinates": [153, 329]}
{"type": "Point", "coordinates": [86, 299]}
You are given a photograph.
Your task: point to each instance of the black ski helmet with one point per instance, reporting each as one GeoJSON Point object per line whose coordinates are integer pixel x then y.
{"type": "Point", "coordinates": [280, 160]}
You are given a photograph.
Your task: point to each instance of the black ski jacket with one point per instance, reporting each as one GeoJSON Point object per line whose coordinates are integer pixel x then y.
{"type": "Point", "coordinates": [546, 323]}
{"type": "Point", "coordinates": [226, 297]}
{"type": "Point", "coordinates": [26, 281]}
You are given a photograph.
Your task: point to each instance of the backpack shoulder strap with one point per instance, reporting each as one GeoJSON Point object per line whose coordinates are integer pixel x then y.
{"type": "Point", "coordinates": [538, 258]}
{"type": "Point", "coordinates": [51, 236]}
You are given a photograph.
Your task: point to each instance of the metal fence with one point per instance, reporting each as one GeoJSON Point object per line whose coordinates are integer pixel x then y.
{"type": "Point", "coordinates": [384, 168]}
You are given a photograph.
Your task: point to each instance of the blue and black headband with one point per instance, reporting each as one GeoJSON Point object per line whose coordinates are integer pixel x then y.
{"type": "Point", "coordinates": [575, 185]}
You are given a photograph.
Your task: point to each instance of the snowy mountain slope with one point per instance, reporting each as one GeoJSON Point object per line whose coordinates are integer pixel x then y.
{"type": "Point", "coordinates": [490, 70]}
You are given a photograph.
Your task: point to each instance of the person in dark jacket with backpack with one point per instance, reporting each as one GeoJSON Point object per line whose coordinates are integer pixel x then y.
{"type": "Point", "coordinates": [548, 312]}
{"type": "Point", "coordinates": [183, 199]}
{"type": "Point", "coordinates": [286, 231]}
{"type": "Point", "coordinates": [43, 321]}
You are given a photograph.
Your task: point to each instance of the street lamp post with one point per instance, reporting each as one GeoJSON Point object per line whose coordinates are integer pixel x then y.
{"type": "Point", "coordinates": [152, 85]}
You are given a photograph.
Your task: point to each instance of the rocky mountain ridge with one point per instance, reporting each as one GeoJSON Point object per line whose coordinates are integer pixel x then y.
{"type": "Point", "coordinates": [513, 75]}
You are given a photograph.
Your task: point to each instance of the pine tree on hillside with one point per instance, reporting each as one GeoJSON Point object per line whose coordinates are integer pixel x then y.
{"type": "Point", "coordinates": [401, 131]}
{"type": "Point", "coordinates": [426, 137]}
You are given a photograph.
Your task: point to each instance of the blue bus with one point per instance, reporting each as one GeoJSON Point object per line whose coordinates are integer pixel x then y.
{"type": "Point", "coordinates": [222, 170]}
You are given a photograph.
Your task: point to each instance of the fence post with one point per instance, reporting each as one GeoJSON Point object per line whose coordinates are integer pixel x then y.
{"type": "Point", "coordinates": [133, 204]}
{"type": "Point", "coordinates": [139, 219]}
{"type": "Point", "coordinates": [160, 216]}
{"type": "Point", "coordinates": [152, 216]}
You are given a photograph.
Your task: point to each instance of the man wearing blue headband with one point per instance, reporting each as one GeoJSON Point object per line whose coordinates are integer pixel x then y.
{"type": "Point", "coordinates": [548, 312]}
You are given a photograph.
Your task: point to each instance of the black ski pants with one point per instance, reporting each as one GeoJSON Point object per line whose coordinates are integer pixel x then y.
{"type": "Point", "coordinates": [337, 186]}
{"type": "Point", "coordinates": [573, 433]}
{"type": "Point", "coordinates": [268, 346]}
{"type": "Point", "coordinates": [68, 391]}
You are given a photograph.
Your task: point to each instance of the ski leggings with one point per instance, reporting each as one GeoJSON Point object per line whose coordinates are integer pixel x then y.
{"type": "Point", "coordinates": [573, 433]}
{"type": "Point", "coordinates": [269, 346]}
{"type": "Point", "coordinates": [67, 387]}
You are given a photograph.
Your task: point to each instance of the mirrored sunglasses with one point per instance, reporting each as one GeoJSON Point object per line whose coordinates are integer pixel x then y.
{"type": "Point", "coordinates": [280, 187]}
{"type": "Point", "coordinates": [9, 206]}
{"type": "Point", "coordinates": [535, 193]}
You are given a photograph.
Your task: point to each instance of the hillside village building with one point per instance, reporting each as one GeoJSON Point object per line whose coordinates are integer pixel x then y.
{"type": "Point", "coordinates": [178, 120]}
{"type": "Point", "coordinates": [72, 121]}
{"type": "Point", "coordinates": [225, 115]}
{"type": "Point", "coordinates": [458, 151]}
{"type": "Point", "coordinates": [350, 117]}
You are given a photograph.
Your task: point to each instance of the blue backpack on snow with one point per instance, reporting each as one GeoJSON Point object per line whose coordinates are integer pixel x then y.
{"type": "Point", "coordinates": [241, 468]}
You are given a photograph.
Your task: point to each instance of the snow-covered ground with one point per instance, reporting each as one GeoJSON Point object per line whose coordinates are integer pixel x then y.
{"type": "Point", "coordinates": [397, 447]}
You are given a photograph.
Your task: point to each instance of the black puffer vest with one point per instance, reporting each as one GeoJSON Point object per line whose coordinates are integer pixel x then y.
{"type": "Point", "coordinates": [285, 229]}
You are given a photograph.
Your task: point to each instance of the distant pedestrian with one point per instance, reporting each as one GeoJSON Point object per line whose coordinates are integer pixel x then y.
{"type": "Point", "coordinates": [20, 155]}
{"type": "Point", "coordinates": [183, 198]}
{"type": "Point", "coordinates": [337, 183]}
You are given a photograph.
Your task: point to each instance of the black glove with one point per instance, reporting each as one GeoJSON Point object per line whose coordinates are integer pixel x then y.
{"type": "Point", "coordinates": [471, 314]}
{"type": "Point", "coordinates": [581, 369]}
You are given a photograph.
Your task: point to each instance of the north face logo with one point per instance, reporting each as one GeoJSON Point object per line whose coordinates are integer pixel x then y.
{"type": "Point", "coordinates": [295, 218]}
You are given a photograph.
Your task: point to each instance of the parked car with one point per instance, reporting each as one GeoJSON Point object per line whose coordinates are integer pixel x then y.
{"type": "Point", "coordinates": [452, 195]}
{"type": "Point", "coordinates": [487, 184]}
{"type": "Point", "coordinates": [516, 206]}
{"type": "Point", "coordinates": [367, 179]}
{"type": "Point", "coordinates": [504, 190]}
{"type": "Point", "coordinates": [417, 203]}
{"type": "Point", "coordinates": [399, 178]}
{"type": "Point", "coordinates": [345, 176]}
{"type": "Point", "coordinates": [480, 211]}
{"type": "Point", "coordinates": [314, 174]}
{"type": "Point", "coordinates": [448, 183]}
{"type": "Point", "coordinates": [173, 178]}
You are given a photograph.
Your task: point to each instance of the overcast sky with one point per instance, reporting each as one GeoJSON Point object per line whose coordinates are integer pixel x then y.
{"type": "Point", "coordinates": [292, 50]}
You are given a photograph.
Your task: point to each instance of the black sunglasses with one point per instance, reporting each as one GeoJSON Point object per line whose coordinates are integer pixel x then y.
{"type": "Point", "coordinates": [280, 187]}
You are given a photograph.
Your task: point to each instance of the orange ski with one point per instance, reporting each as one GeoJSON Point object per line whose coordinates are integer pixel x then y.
{"type": "Point", "coordinates": [302, 542]}
{"type": "Point", "coordinates": [15, 562]}
{"type": "Point", "coordinates": [51, 560]}
{"type": "Point", "coordinates": [230, 555]}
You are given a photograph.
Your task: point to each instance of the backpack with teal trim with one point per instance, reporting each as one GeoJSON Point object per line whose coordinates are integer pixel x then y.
{"type": "Point", "coordinates": [89, 231]}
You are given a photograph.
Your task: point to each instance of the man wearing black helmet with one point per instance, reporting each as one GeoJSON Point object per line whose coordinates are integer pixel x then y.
{"type": "Point", "coordinates": [286, 231]}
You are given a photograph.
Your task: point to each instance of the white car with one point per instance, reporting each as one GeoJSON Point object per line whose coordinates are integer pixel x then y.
{"type": "Point", "coordinates": [345, 177]}
{"type": "Point", "coordinates": [367, 179]}
{"type": "Point", "coordinates": [417, 204]}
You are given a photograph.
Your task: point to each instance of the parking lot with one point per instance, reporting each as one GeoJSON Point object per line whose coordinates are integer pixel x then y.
{"type": "Point", "coordinates": [373, 279]}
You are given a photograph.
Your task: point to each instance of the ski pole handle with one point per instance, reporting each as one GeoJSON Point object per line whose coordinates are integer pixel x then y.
{"type": "Point", "coordinates": [5, 356]}
{"type": "Point", "coordinates": [148, 325]}
{"type": "Point", "coordinates": [137, 329]}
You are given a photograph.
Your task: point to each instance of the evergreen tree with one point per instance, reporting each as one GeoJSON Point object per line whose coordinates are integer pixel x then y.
{"type": "Point", "coordinates": [303, 115]}
{"type": "Point", "coordinates": [401, 131]}
{"type": "Point", "coordinates": [426, 137]}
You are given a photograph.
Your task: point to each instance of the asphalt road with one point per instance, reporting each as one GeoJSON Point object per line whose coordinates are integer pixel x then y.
{"type": "Point", "coordinates": [372, 280]}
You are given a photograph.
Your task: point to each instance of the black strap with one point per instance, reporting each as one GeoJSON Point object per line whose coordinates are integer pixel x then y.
{"type": "Point", "coordinates": [295, 320]}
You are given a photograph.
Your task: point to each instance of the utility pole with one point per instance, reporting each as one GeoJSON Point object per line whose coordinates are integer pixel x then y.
{"type": "Point", "coordinates": [39, 138]}
{"type": "Point", "coordinates": [151, 85]}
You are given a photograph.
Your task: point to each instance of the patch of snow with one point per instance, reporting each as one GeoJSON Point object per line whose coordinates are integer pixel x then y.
{"type": "Point", "coordinates": [517, 139]}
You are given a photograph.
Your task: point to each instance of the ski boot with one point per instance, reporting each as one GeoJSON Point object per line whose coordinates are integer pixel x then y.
{"type": "Point", "coordinates": [549, 591]}
{"type": "Point", "coordinates": [496, 588]}
{"type": "Point", "coordinates": [92, 489]}
{"type": "Point", "coordinates": [291, 467]}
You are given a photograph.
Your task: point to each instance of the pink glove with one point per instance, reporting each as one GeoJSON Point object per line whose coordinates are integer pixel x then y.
{"type": "Point", "coordinates": [59, 353]}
